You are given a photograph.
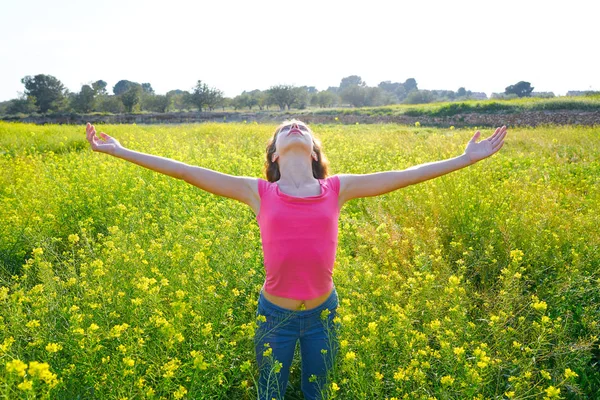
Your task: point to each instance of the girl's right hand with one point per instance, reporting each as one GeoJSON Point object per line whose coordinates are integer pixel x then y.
{"type": "Point", "coordinates": [109, 146]}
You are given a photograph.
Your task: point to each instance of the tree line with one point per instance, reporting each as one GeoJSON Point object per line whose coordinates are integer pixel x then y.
{"type": "Point", "coordinates": [45, 93]}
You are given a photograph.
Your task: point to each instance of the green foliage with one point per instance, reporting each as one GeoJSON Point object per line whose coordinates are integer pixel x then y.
{"type": "Point", "coordinates": [147, 88]}
{"type": "Point", "coordinates": [352, 80]}
{"type": "Point", "coordinates": [521, 89]}
{"type": "Point", "coordinates": [84, 101]}
{"type": "Point", "coordinates": [419, 97]}
{"type": "Point", "coordinates": [23, 105]}
{"type": "Point", "coordinates": [156, 103]}
{"type": "Point", "coordinates": [47, 91]}
{"type": "Point", "coordinates": [123, 86]}
{"type": "Point", "coordinates": [203, 96]}
{"type": "Point", "coordinates": [131, 97]}
{"type": "Point", "coordinates": [109, 104]}
{"type": "Point", "coordinates": [100, 87]}
{"type": "Point", "coordinates": [283, 95]}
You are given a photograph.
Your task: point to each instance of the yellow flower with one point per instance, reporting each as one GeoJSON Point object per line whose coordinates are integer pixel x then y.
{"type": "Point", "coordinates": [552, 392]}
{"type": "Point", "coordinates": [34, 323]}
{"type": "Point", "coordinates": [179, 393]}
{"type": "Point", "coordinates": [570, 374]}
{"type": "Point", "coordinates": [334, 387]}
{"type": "Point", "coordinates": [373, 327]}
{"type": "Point", "coordinates": [128, 361]}
{"type": "Point", "coordinates": [74, 238]}
{"type": "Point", "coordinates": [53, 347]}
{"type": "Point", "coordinates": [378, 375]}
{"type": "Point", "coordinates": [510, 395]}
{"type": "Point", "coordinates": [458, 351]}
{"type": "Point", "coordinates": [417, 124]}
{"type": "Point", "coordinates": [350, 356]}
{"type": "Point", "coordinates": [17, 366]}
{"type": "Point", "coordinates": [545, 374]}
{"type": "Point", "coordinates": [25, 385]}
{"type": "Point", "coordinates": [540, 305]}
{"type": "Point", "coordinates": [42, 370]}
{"type": "Point", "coordinates": [447, 380]}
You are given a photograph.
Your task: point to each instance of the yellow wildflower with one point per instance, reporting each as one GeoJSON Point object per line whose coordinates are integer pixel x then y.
{"type": "Point", "coordinates": [17, 366]}
{"type": "Point", "coordinates": [447, 380]}
{"type": "Point", "coordinates": [53, 347]}
{"type": "Point", "coordinates": [25, 385]}
{"type": "Point", "coordinates": [570, 374]}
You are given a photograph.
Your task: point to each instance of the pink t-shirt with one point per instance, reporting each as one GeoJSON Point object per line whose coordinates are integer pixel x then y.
{"type": "Point", "coordinates": [299, 239]}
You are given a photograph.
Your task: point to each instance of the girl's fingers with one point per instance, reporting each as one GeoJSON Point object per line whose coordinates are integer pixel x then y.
{"type": "Point", "coordinates": [495, 133]}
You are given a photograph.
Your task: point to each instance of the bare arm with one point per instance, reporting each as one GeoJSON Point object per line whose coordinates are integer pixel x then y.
{"type": "Point", "coordinates": [353, 186]}
{"type": "Point", "coordinates": [367, 185]}
{"type": "Point", "coordinates": [244, 189]}
{"type": "Point", "coordinates": [163, 165]}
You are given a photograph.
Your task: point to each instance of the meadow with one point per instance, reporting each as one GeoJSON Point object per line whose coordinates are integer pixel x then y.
{"type": "Point", "coordinates": [117, 282]}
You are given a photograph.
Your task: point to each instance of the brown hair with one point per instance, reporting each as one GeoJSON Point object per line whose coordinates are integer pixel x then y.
{"type": "Point", "coordinates": [319, 167]}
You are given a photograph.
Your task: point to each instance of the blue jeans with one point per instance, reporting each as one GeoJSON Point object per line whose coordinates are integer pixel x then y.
{"type": "Point", "coordinates": [275, 342]}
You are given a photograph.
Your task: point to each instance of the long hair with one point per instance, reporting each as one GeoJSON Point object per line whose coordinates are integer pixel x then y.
{"type": "Point", "coordinates": [320, 166]}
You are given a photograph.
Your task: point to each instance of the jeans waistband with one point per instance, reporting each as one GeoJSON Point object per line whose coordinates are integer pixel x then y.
{"type": "Point", "coordinates": [330, 303]}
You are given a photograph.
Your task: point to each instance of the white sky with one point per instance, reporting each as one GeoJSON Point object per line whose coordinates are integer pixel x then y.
{"type": "Point", "coordinates": [245, 45]}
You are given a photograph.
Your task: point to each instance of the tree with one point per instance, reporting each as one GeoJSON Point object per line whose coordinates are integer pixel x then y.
{"type": "Point", "coordinates": [326, 98]}
{"type": "Point", "coordinates": [157, 103]}
{"type": "Point", "coordinates": [147, 88]}
{"type": "Point", "coordinates": [355, 95]}
{"type": "Point", "coordinates": [410, 85]}
{"type": "Point", "coordinates": [374, 96]}
{"type": "Point", "coordinates": [461, 92]}
{"type": "Point", "coordinates": [23, 105]}
{"type": "Point", "coordinates": [395, 89]}
{"type": "Point", "coordinates": [352, 80]}
{"type": "Point", "coordinates": [47, 91]}
{"type": "Point", "coordinates": [215, 98]}
{"type": "Point", "coordinates": [99, 87]}
{"type": "Point", "coordinates": [260, 98]}
{"type": "Point", "coordinates": [283, 95]}
{"type": "Point", "coordinates": [110, 104]}
{"type": "Point", "coordinates": [179, 98]}
{"type": "Point", "coordinates": [301, 97]}
{"type": "Point", "coordinates": [521, 89]}
{"type": "Point", "coordinates": [131, 97]}
{"type": "Point", "coordinates": [84, 100]}
{"type": "Point", "coordinates": [419, 97]}
{"type": "Point", "coordinates": [124, 85]}
{"type": "Point", "coordinates": [203, 96]}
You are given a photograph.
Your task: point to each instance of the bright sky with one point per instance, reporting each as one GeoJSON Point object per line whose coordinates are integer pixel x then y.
{"type": "Point", "coordinates": [245, 45]}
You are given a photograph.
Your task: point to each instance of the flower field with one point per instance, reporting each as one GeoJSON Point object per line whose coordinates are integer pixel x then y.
{"type": "Point", "coordinates": [117, 282]}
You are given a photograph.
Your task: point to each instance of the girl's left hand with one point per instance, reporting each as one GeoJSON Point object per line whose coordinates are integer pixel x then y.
{"type": "Point", "coordinates": [487, 147]}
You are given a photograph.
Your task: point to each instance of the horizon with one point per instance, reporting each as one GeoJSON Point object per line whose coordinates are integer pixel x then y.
{"type": "Point", "coordinates": [255, 48]}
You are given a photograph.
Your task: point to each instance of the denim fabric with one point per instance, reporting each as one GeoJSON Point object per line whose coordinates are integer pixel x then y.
{"type": "Point", "coordinates": [283, 328]}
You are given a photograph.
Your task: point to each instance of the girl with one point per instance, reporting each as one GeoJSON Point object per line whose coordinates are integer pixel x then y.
{"type": "Point", "coordinates": [297, 210]}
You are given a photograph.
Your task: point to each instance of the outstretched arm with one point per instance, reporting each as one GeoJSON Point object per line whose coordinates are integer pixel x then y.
{"type": "Point", "coordinates": [112, 146]}
{"type": "Point", "coordinates": [367, 185]}
{"type": "Point", "coordinates": [236, 187]}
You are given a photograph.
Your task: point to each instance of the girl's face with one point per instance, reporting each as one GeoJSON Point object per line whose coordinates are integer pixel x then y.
{"type": "Point", "coordinates": [292, 134]}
